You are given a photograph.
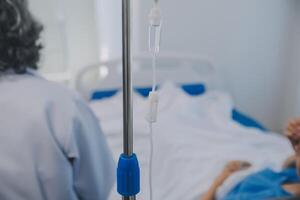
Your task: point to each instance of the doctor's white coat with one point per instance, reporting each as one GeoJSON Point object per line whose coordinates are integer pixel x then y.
{"type": "Point", "coordinates": [51, 147]}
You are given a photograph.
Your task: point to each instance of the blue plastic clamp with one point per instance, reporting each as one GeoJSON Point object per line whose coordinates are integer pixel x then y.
{"type": "Point", "coordinates": [128, 176]}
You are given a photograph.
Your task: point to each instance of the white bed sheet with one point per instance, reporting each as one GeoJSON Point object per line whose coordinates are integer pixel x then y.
{"type": "Point", "coordinates": [193, 139]}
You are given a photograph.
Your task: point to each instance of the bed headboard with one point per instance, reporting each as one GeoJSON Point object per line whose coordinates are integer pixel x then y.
{"type": "Point", "coordinates": [178, 68]}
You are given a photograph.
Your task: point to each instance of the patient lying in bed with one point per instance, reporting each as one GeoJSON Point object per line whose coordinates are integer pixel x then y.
{"type": "Point", "coordinates": [193, 139]}
{"type": "Point", "coordinates": [265, 184]}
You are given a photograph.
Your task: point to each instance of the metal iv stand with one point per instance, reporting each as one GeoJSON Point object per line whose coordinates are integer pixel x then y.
{"type": "Point", "coordinates": [127, 80]}
{"type": "Point", "coordinates": [128, 173]}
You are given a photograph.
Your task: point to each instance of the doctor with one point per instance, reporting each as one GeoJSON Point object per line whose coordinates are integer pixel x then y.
{"type": "Point", "coordinates": [51, 146]}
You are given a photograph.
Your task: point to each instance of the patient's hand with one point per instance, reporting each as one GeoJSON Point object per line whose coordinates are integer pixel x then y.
{"type": "Point", "coordinates": [293, 133]}
{"type": "Point", "coordinates": [290, 161]}
{"type": "Point", "coordinates": [230, 168]}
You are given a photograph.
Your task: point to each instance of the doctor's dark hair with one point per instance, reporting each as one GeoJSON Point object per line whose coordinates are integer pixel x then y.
{"type": "Point", "coordinates": [19, 37]}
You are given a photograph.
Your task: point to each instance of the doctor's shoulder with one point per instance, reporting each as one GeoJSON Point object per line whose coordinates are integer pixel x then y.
{"type": "Point", "coordinates": [51, 91]}
{"type": "Point", "coordinates": [64, 109]}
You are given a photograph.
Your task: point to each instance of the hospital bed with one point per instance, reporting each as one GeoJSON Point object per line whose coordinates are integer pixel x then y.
{"type": "Point", "coordinates": [195, 74]}
{"type": "Point", "coordinates": [193, 139]}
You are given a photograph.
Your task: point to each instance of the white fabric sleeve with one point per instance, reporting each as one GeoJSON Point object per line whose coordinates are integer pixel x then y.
{"type": "Point", "coordinates": [92, 162]}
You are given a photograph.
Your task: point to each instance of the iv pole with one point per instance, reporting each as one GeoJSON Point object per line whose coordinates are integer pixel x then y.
{"type": "Point", "coordinates": [128, 172]}
{"type": "Point", "coordinates": [127, 83]}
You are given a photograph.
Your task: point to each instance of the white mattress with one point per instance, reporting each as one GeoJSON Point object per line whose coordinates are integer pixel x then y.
{"type": "Point", "coordinates": [193, 139]}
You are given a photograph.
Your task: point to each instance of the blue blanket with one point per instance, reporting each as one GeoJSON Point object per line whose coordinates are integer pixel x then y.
{"type": "Point", "coordinates": [263, 185]}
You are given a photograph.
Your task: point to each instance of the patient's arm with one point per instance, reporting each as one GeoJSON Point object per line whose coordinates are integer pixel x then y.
{"type": "Point", "coordinates": [211, 193]}
{"type": "Point", "coordinates": [229, 169]}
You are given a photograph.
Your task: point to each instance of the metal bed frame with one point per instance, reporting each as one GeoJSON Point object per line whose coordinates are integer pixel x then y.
{"type": "Point", "coordinates": [172, 66]}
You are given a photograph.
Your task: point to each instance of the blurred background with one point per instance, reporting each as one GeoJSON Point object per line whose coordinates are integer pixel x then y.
{"type": "Point", "coordinates": [254, 44]}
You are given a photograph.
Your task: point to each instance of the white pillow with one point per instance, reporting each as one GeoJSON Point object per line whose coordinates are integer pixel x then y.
{"type": "Point", "coordinates": [113, 107]}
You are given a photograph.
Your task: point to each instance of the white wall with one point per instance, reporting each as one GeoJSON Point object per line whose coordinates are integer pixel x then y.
{"type": "Point", "coordinates": [109, 27]}
{"type": "Point", "coordinates": [246, 39]}
{"type": "Point", "coordinates": [47, 13]}
{"type": "Point", "coordinates": [292, 95]}
{"type": "Point", "coordinates": [296, 63]}
{"type": "Point", "coordinates": [70, 37]}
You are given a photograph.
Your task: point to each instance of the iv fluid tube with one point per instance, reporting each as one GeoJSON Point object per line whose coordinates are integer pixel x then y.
{"type": "Point", "coordinates": [154, 47]}
{"type": "Point", "coordinates": [154, 38]}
